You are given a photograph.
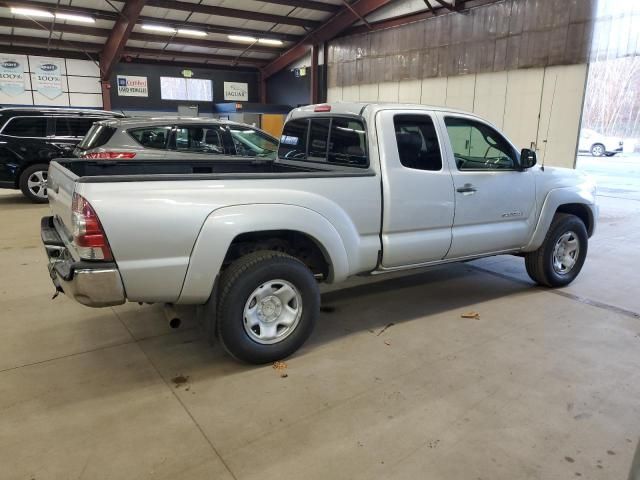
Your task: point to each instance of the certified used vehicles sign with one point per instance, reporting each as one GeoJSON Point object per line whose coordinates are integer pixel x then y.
{"type": "Point", "coordinates": [131, 86]}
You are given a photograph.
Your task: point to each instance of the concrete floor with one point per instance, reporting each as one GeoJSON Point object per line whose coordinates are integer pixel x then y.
{"type": "Point", "coordinates": [545, 385]}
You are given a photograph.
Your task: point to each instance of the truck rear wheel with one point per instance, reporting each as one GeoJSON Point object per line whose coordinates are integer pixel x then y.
{"type": "Point", "coordinates": [559, 259]}
{"type": "Point", "coordinates": [268, 305]}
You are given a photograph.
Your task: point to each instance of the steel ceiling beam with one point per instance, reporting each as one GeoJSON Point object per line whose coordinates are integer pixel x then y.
{"type": "Point", "coordinates": [221, 29]}
{"type": "Point", "coordinates": [52, 7]}
{"type": "Point", "coordinates": [325, 32]}
{"type": "Point", "coordinates": [182, 55]}
{"type": "Point", "coordinates": [113, 16]}
{"type": "Point", "coordinates": [462, 7]}
{"type": "Point", "coordinates": [308, 4]}
{"type": "Point", "coordinates": [96, 48]}
{"type": "Point", "coordinates": [118, 37]}
{"type": "Point", "coordinates": [231, 13]}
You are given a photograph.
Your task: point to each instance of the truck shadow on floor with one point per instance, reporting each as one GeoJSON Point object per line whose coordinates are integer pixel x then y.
{"type": "Point", "coordinates": [434, 298]}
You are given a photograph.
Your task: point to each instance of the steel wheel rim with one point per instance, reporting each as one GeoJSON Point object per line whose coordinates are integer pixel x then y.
{"type": "Point", "coordinates": [598, 150]}
{"type": "Point", "coordinates": [272, 312]}
{"type": "Point", "coordinates": [37, 183]}
{"type": "Point", "coordinates": [566, 252]}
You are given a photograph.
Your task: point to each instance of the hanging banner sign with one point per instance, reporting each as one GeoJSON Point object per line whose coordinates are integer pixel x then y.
{"type": "Point", "coordinates": [48, 78]}
{"type": "Point", "coordinates": [236, 91]}
{"type": "Point", "coordinates": [12, 74]}
{"type": "Point", "coordinates": [131, 86]}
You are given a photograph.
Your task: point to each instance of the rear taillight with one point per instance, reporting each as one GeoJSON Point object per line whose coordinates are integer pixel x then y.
{"type": "Point", "coordinates": [88, 235]}
{"type": "Point", "coordinates": [109, 155]}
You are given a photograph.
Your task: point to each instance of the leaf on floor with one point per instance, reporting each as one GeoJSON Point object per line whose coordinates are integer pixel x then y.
{"type": "Point", "coordinates": [474, 315]}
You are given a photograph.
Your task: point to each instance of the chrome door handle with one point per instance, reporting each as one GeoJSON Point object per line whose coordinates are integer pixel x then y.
{"type": "Point", "coordinates": [467, 189]}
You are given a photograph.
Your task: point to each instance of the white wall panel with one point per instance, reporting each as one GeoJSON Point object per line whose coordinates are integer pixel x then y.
{"type": "Point", "coordinates": [334, 94]}
{"type": "Point", "coordinates": [369, 92]}
{"type": "Point", "coordinates": [84, 84]}
{"type": "Point", "coordinates": [83, 79]}
{"type": "Point", "coordinates": [524, 91]}
{"type": "Point", "coordinates": [409, 91]}
{"type": "Point", "coordinates": [460, 92]}
{"type": "Point", "coordinates": [388, 91]}
{"type": "Point", "coordinates": [490, 96]}
{"type": "Point", "coordinates": [33, 60]}
{"type": "Point", "coordinates": [61, 101]}
{"type": "Point", "coordinates": [562, 99]}
{"type": "Point", "coordinates": [88, 100]}
{"type": "Point", "coordinates": [351, 94]}
{"type": "Point", "coordinates": [23, 99]}
{"type": "Point", "coordinates": [85, 68]}
{"type": "Point", "coordinates": [434, 91]}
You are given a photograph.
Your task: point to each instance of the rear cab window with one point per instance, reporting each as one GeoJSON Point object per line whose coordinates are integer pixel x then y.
{"type": "Point", "coordinates": [336, 140]}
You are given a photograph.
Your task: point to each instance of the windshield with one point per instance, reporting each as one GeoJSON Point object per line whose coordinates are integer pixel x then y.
{"type": "Point", "coordinates": [253, 143]}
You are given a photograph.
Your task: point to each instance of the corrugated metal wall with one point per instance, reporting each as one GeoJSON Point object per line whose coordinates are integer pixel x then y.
{"type": "Point", "coordinates": [506, 35]}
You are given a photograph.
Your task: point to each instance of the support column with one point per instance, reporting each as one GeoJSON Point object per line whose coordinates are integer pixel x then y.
{"type": "Point", "coordinates": [314, 74]}
{"type": "Point", "coordinates": [105, 86]}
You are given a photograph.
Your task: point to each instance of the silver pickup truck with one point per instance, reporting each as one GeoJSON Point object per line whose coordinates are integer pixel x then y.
{"type": "Point", "coordinates": [356, 189]}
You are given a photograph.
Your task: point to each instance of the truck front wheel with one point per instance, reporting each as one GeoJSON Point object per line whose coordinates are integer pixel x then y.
{"type": "Point", "coordinates": [559, 259]}
{"type": "Point", "coordinates": [268, 305]}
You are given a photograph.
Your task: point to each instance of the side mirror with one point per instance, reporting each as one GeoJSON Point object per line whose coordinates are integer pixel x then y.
{"type": "Point", "coordinates": [528, 158]}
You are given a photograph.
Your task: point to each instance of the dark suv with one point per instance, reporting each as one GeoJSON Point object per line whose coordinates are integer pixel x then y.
{"type": "Point", "coordinates": [30, 137]}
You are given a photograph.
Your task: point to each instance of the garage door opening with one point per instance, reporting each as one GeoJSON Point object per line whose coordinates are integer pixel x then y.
{"type": "Point", "coordinates": [609, 142]}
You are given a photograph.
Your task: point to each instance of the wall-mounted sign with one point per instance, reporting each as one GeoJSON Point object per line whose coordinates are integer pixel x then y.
{"type": "Point", "coordinates": [236, 91]}
{"type": "Point", "coordinates": [131, 86]}
{"type": "Point", "coordinates": [48, 78]}
{"type": "Point", "coordinates": [12, 74]}
{"type": "Point", "coordinates": [187, 73]}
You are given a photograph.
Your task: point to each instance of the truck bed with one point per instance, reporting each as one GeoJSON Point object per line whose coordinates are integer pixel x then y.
{"type": "Point", "coordinates": [97, 171]}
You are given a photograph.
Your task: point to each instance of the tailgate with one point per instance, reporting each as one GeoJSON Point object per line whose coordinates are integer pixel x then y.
{"type": "Point", "coordinates": [61, 184]}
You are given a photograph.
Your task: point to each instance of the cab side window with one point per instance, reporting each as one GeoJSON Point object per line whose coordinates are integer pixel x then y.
{"type": "Point", "coordinates": [417, 141]}
{"type": "Point", "coordinates": [476, 146]}
{"type": "Point", "coordinates": [199, 139]}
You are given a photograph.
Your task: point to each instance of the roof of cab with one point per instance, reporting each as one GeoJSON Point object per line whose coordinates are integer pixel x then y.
{"type": "Point", "coordinates": [362, 108]}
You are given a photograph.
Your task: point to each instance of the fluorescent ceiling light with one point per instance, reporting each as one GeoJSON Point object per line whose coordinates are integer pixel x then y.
{"type": "Point", "coordinates": [30, 12]}
{"type": "Point", "coordinates": [270, 41]}
{"type": "Point", "coordinates": [242, 38]}
{"type": "Point", "coordinates": [159, 28]}
{"type": "Point", "coordinates": [195, 33]}
{"type": "Point", "coordinates": [75, 18]}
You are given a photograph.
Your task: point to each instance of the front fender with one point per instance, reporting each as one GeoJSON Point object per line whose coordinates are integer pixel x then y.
{"type": "Point", "coordinates": [555, 199]}
{"type": "Point", "coordinates": [225, 224]}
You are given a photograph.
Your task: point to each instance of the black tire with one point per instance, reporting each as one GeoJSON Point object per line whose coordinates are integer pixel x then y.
{"type": "Point", "coordinates": [33, 194]}
{"type": "Point", "coordinates": [239, 282]}
{"type": "Point", "coordinates": [598, 150]}
{"type": "Point", "coordinates": [540, 264]}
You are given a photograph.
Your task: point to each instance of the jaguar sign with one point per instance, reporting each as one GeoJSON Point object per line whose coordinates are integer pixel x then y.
{"type": "Point", "coordinates": [236, 91]}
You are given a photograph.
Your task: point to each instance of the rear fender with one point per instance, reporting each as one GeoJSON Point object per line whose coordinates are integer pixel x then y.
{"type": "Point", "coordinates": [225, 224]}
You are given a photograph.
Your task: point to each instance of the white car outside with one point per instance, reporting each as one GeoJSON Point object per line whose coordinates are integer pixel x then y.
{"type": "Point", "coordinates": [599, 145]}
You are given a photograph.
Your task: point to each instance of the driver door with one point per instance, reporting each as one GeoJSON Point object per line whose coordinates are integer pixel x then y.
{"type": "Point", "coordinates": [495, 203]}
